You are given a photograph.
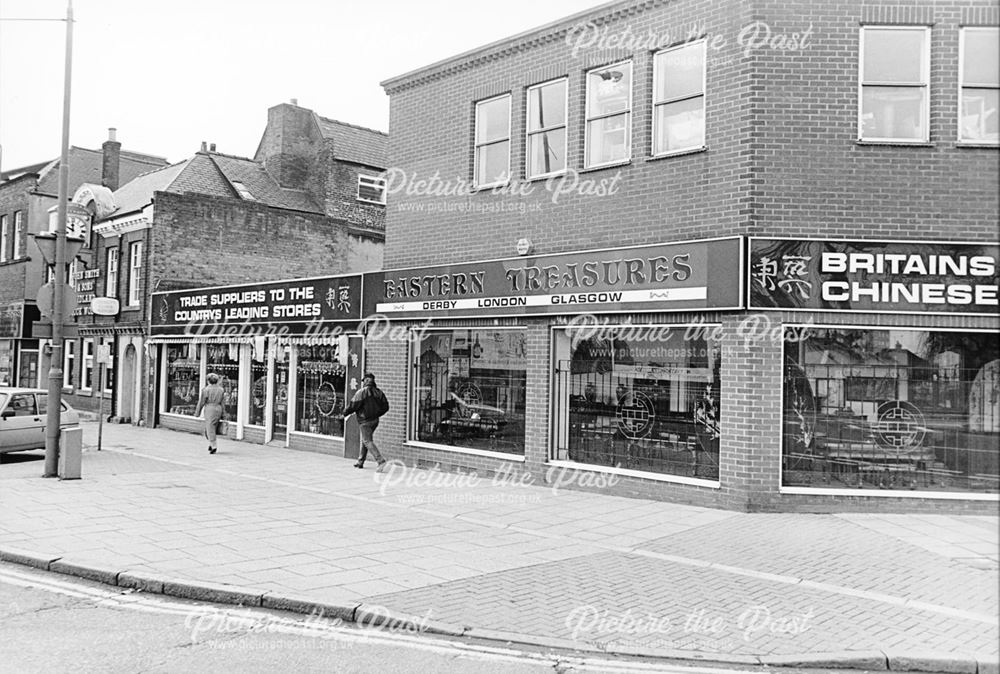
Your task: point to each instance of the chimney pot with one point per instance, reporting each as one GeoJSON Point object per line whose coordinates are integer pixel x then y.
{"type": "Point", "coordinates": [204, 146]}
{"type": "Point", "coordinates": [211, 148]}
{"type": "Point", "coordinates": [112, 133]}
{"type": "Point", "coordinates": [295, 101]}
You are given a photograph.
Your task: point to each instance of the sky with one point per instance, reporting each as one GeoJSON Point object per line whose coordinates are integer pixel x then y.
{"type": "Point", "coordinates": [171, 74]}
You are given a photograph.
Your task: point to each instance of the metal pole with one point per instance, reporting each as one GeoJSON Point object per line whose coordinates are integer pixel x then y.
{"type": "Point", "coordinates": [100, 404]}
{"type": "Point", "coordinates": [58, 315]}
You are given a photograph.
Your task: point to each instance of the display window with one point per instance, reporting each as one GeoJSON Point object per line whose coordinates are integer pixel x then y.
{"type": "Point", "coordinates": [642, 398]}
{"type": "Point", "coordinates": [183, 378]}
{"type": "Point", "coordinates": [469, 389]}
{"type": "Point", "coordinates": [891, 409]}
{"type": "Point", "coordinates": [224, 360]}
{"type": "Point", "coordinates": [257, 400]}
{"type": "Point", "coordinates": [320, 387]}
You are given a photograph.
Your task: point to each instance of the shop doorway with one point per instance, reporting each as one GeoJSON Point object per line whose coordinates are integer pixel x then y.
{"type": "Point", "coordinates": [128, 383]}
{"type": "Point", "coordinates": [28, 373]}
{"type": "Point", "coordinates": [279, 418]}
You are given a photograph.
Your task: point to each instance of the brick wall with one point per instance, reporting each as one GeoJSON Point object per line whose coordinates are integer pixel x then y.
{"type": "Point", "coordinates": [14, 198]}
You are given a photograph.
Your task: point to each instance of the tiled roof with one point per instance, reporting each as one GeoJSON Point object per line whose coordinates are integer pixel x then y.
{"type": "Point", "coordinates": [261, 185]}
{"type": "Point", "coordinates": [201, 176]}
{"type": "Point", "coordinates": [356, 144]}
{"type": "Point", "coordinates": [23, 170]}
{"type": "Point", "coordinates": [85, 167]}
{"type": "Point", "coordinates": [136, 194]}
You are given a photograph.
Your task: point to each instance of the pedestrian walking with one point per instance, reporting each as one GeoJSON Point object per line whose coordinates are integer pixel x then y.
{"type": "Point", "coordinates": [210, 401]}
{"type": "Point", "coordinates": [367, 405]}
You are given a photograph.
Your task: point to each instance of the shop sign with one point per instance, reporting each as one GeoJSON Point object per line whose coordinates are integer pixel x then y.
{"type": "Point", "coordinates": [873, 276]}
{"type": "Point", "coordinates": [285, 307]}
{"type": "Point", "coordinates": [11, 320]}
{"type": "Point", "coordinates": [693, 275]}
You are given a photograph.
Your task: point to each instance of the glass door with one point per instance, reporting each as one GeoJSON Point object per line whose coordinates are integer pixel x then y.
{"type": "Point", "coordinates": [280, 407]}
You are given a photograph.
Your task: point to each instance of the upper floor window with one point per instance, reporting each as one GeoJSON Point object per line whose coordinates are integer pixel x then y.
{"type": "Point", "coordinates": [679, 99]}
{"type": "Point", "coordinates": [74, 269]}
{"type": "Point", "coordinates": [609, 110]}
{"type": "Point", "coordinates": [134, 273]}
{"type": "Point", "coordinates": [243, 191]}
{"type": "Point", "coordinates": [979, 74]}
{"type": "Point", "coordinates": [111, 280]}
{"type": "Point", "coordinates": [18, 234]}
{"type": "Point", "coordinates": [493, 141]}
{"type": "Point", "coordinates": [894, 100]}
{"type": "Point", "coordinates": [371, 189]}
{"type": "Point", "coordinates": [4, 238]}
{"type": "Point", "coordinates": [546, 129]}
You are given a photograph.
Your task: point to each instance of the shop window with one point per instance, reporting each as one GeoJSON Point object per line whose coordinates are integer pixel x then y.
{"type": "Point", "coordinates": [257, 400]}
{"type": "Point", "coordinates": [470, 389]}
{"type": "Point", "coordinates": [371, 190]}
{"type": "Point", "coordinates": [224, 360]}
{"type": "Point", "coordinates": [321, 387]}
{"type": "Point", "coordinates": [109, 366]}
{"type": "Point", "coordinates": [640, 398]}
{"type": "Point", "coordinates": [546, 129]}
{"type": "Point", "coordinates": [183, 365]}
{"type": "Point", "coordinates": [18, 235]}
{"type": "Point", "coordinates": [679, 99]}
{"type": "Point", "coordinates": [492, 160]}
{"type": "Point", "coordinates": [4, 238]}
{"type": "Point", "coordinates": [111, 284]}
{"type": "Point", "coordinates": [609, 110]}
{"type": "Point", "coordinates": [980, 85]}
{"type": "Point", "coordinates": [134, 273]}
{"type": "Point", "coordinates": [6, 362]}
{"type": "Point", "coordinates": [69, 363]}
{"type": "Point", "coordinates": [891, 409]}
{"type": "Point", "coordinates": [87, 376]}
{"type": "Point", "coordinates": [894, 97]}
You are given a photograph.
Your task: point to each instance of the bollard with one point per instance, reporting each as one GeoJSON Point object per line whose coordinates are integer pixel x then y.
{"type": "Point", "coordinates": [70, 451]}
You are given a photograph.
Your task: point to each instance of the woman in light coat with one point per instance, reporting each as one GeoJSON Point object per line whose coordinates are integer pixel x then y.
{"type": "Point", "coordinates": [211, 402]}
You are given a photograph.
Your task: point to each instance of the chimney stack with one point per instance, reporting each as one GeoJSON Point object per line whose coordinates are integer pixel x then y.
{"type": "Point", "coordinates": [111, 160]}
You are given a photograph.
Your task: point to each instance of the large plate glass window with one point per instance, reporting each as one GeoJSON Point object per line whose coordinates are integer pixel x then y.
{"type": "Point", "coordinates": [679, 99]}
{"type": "Point", "coordinates": [224, 360]}
{"type": "Point", "coordinates": [891, 409]}
{"type": "Point", "coordinates": [470, 389]}
{"type": "Point", "coordinates": [609, 115]}
{"type": "Point", "coordinates": [642, 398]}
{"type": "Point", "coordinates": [895, 79]}
{"type": "Point", "coordinates": [493, 141]}
{"type": "Point", "coordinates": [546, 129]}
{"type": "Point", "coordinates": [183, 367]}
{"type": "Point", "coordinates": [319, 405]}
{"type": "Point", "coordinates": [980, 85]}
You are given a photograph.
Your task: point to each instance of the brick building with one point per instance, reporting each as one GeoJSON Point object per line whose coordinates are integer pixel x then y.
{"type": "Point", "coordinates": [300, 207]}
{"type": "Point", "coordinates": [740, 254]}
{"type": "Point", "coordinates": [26, 196]}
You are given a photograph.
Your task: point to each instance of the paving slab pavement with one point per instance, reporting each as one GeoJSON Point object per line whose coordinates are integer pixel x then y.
{"type": "Point", "coordinates": [581, 568]}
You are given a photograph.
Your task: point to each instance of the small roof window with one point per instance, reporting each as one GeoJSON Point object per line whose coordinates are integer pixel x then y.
{"type": "Point", "coordinates": [244, 192]}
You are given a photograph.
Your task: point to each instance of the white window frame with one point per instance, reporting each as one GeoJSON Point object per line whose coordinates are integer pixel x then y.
{"type": "Point", "coordinates": [627, 112]}
{"type": "Point", "coordinates": [134, 272]}
{"type": "Point", "coordinates": [111, 277]}
{"type": "Point", "coordinates": [962, 86]}
{"type": "Point", "coordinates": [18, 235]}
{"type": "Point", "coordinates": [4, 236]}
{"type": "Point", "coordinates": [109, 368]}
{"type": "Point", "coordinates": [88, 366]}
{"type": "Point", "coordinates": [926, 85]}
{"type": "Point", "coordinates": [528, 132]}
{"type": "Point", "coordinates": [69, 362]}
{"type": "Point", "coordinates": [477, 145]}
{"type": "Point", "coordinates": [657, 57]}
{"type": "Point", "coordinates": [74, 265]}
{"type": "Point", "coordinates": [373, 182]}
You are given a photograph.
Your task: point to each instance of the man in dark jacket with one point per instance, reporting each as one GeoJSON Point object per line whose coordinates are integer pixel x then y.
{"type": "Point", "coordinates": [368, 404]}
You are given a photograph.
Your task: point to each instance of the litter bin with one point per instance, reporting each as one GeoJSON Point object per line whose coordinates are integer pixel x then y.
{"type": "Point", "coordinates": [70, 450]}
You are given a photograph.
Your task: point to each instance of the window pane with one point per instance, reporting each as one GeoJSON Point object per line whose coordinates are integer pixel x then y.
{"type": "Point", "coordinates": [492, 163]}
{"type": "Point", "coordinates": [224, 360]}
{"type": "Point", "coordinates": [547, 106]}
{"type": "Point", "coordinates": [892, 409]}
{"type": "Point", "coordinates": [680, 72]}
{"type": "Point", "coordinates": [493, 120]}
{"type": "Point", "coordinates": [321, 389]}
{"type": "Point", "coordinates": [645, 403]}
{"type": "Point", "coordinates": [979, 114]}
{"type": "Point", "coordinates": [608, 90]}
{"type": "Point", "coordinates": [471, 389]}
{"type": "Point", "coordinates": [680, 126]}
{"type": "Point", "coordinates": [893, 112]}
{"type": "Point", "coordinates": [546, 152]}
{"type": "Point", "coordinates": [894, 55]}
{"type": "Point", "coordinates": [607, 140]}
{"type": "Point", "coordinates": [183, 364]}
{"type": "Point", "coordinates": [981, 63]}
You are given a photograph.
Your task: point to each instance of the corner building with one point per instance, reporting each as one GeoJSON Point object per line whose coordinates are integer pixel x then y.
{"type": "Point", "coordinates": [737, 254]}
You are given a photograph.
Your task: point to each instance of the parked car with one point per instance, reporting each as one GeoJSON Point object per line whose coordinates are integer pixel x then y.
{"type": "Point", "coordinates": [23, 415]}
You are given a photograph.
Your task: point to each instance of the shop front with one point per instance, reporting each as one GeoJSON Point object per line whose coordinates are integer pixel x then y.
{"type": "Point", "coordinates": [19, 353]}
{"type": "Point", "coordinates": [288, 354]}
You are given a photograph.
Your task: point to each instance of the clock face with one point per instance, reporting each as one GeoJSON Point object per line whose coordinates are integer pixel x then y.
{"type": "Point", "coordinates": [77, 225]}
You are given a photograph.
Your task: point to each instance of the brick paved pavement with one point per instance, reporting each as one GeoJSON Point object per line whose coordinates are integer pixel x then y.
{"type": "Point", "coordinates": [572, 565]}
